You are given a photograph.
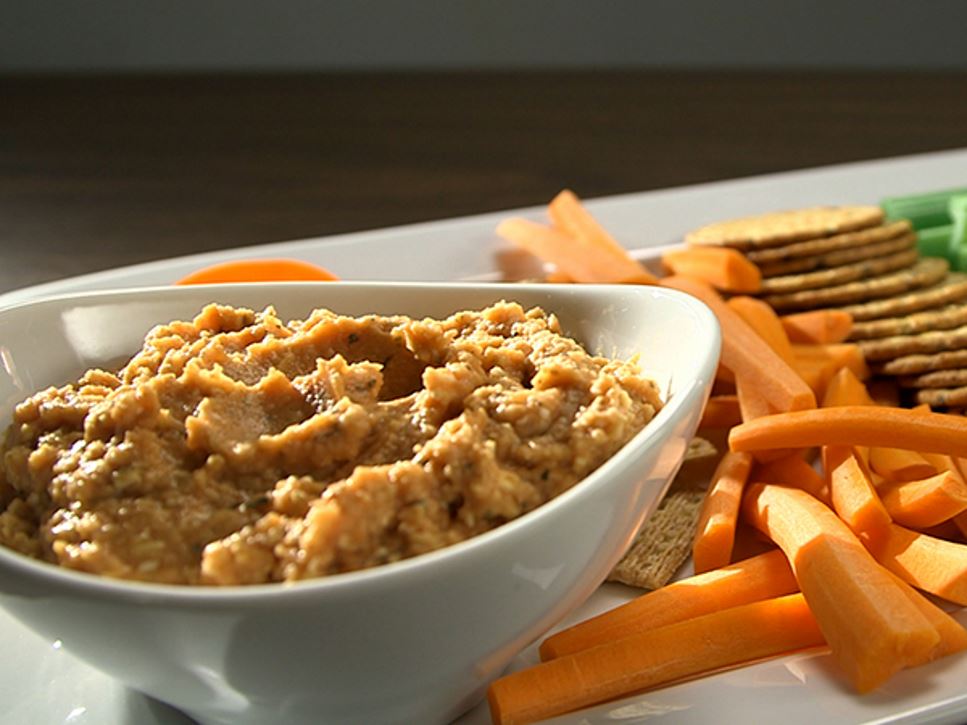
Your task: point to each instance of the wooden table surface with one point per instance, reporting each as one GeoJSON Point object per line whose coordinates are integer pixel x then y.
{"type": "Point", "coordinates": [97, 172]}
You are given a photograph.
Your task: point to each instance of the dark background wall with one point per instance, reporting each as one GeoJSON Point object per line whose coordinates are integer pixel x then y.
{"type": "Point", "coordinates": [171, 35]}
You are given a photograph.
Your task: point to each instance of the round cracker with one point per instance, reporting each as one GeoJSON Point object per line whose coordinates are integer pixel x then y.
{"type": "Point", "coordinates": [825, 245]}
{"type": "Point", "coordinates": [839, 275]}
{"type": "Point", "coordinates": [950, 288]}
{"type": "Point", "coordinates": [927, 271]}
{"type": "Point", "coordinates": [918, 364]}
{"type": "Point", "coordinates": [924, 343]}
{"type": "Point", "coordinates": [839, 257]}
{"type": "Point", "coordinates": [783, 227]}
{"type": "Point", "coordinates": [941, 397]}
{"type": "Point", "coordinates": [953, 378]}
{"type": "Point", "coordinates": [941, 318]}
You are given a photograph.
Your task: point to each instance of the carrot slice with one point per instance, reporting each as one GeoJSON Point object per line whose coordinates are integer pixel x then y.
{"type": "Point", "coordinates": [926, 502]}
{"type": "Point", "coordinates": [258, 270]}
{"type": "Point", "coordinates": [953, 636]}
{"type": "Point", "coordinates": [722, 267]}
{"type": "Point", "coordinates": [960, 520]}
{"type": "Point", "coordinates": [818, 327]}
{"type": "Point", "coordinates": [844, 388]}
{"type": "Point", "coordinates": [897, 464]}
{"type": "Point", "coordinates": [928, 563]}
{"type": "Point", "coordinates": [750, 580]}
{"type": "Point", "coordinates": [870, 624]}
{"type": "Point", "coordinates": [853, 495]}
{"type": "Point", "coordinates": [713, 641]}
{"type": "Point", "coordinates": [715, 532]}
{"type": "Point", "coordinates": [854, 425]}
{"type": "Point", "coordinates": [746, 354]}
{"type": "Point", "coordinates": [764, 320]}
{"type": "Point", "coordinates": [817, 364]}
{"type": "Point", "coordinates": [752, 404]}
{"type": "Point", "coordinates": [573, 258]}
{"type": "Point", "coordinates": [569, 215]}
{"type": "Point", "coordinates": [721, 411]}
{"type": "Point", "coordinates": [793, 470]}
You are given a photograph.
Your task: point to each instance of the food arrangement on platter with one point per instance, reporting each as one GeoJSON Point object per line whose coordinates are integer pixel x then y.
{"type": "Point", "coordinates": [823, 505]}
{"type": "Point", "coordinates": [840, 395]}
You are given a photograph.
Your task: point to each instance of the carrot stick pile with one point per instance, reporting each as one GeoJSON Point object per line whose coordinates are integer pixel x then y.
{"type": "Point", "coordinates": [865, 504]}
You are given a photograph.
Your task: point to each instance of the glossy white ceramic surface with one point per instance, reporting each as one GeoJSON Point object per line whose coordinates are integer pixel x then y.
{"type": "Point", "coordinates": [415, 641]}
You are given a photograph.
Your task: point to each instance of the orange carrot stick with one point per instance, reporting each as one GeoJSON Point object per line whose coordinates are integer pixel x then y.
{"type": "Point", "coordinates": [715, 533]}
{"type": "Point", "coordinates": [764, 320]}
{"type": "Point", "coordinates": [844, 388]}
{"type": "Point", "coordinates": [575, 259]}
{"type": "Point", "coordinates": [792, 470]}
{"type": "Point", "coordinates": [721, 411]}
{"type": "Point", "coordinates": [870, 624]}
{"type": "Point", "coordinates": [650, 659]}
{"type": "Point", "coordinates": [926, 502]}
{"type": "Point", "coordinates": [746, 354]}
{"type": "Point", "coordinates": [928, 563]}
{"type": "Point", "coordinates": [752, 404]}
{"type": "Point", "coordinates": [723, 268]}
{"type": "Point", "coordinates": [960, 520]}
{"type": "Point", "coordinates": [854, 425]}
{"type": "Point", "coordinates": [818, 327]}
{"type": "Point", "coordinates": [817, 364]}
{"type": "Point", "coordinates": [571, 217]}
{"type": "Point", "coordinates": [750, 580]}
{"type": "Point", "coordinates": [953, 636]}
{"type": "Point", "coordinates": [897, 464]}
{"type": "Point", "coordinates": [854, 497]}
{"type": "Point", "coordinates": [258, 270]}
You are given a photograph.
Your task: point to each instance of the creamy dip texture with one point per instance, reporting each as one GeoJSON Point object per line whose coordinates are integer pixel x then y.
{"type": "Point", "coordinates": [239, 449]}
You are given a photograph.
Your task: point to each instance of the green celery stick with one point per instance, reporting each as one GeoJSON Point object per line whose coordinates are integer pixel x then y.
{"type": "Point", "coordinates": [923, 210]}
{"type": "Point", "coordinates": [935, 241]}
{"type": "Point", "coordinates": [957, 244]}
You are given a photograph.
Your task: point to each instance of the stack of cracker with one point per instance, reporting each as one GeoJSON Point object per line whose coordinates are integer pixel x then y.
{"type": "Point", "coordinates": [909, 312]}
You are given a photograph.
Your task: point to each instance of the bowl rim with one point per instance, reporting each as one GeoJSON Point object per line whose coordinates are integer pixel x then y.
{"type": "Point", "coordinates": [659, 427]}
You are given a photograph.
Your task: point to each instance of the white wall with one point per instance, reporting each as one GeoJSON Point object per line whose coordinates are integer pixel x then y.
{"type": "Point", "coordinates": [86, 35]}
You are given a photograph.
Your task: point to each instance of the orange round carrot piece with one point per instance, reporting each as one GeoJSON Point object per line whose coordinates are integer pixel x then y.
{"type": "Point", "coordinates": [872, 627]}
{"type": "Point", "coordinates": [710, 642]}
{"type": "Point", "coordinates": [854, 425]}
{"type": "Point", "coordinates": [746, 354]}
{"type": "Point", "coordinates": [724, 268]}
{"type": "Point", "coordinates": [259, 270]}
{"type": "Point", "coordinates": [759, 577]}
{"type": "Point", "coordinates": [717, 519]}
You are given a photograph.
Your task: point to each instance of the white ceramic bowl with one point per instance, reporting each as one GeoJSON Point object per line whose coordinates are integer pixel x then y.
{"type": "Point", "coordinates": [414, 641]}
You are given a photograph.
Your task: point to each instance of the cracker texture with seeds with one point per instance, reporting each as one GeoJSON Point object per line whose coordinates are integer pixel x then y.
{"type": "Point", "coordinates": [665, 541]}
{"type": "Point", "coordinates": [838, 258]}
{"type": "Point", "coordinates": [783, 227]}
{"type": "Point", "coordinates": [839, 275]}
{"type": "Point", "coordinates": [824, 245]}
{"type": "Point", "coordinates": [950, 288]}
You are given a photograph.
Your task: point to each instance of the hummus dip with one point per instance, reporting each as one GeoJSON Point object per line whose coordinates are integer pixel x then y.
{"type": "Point", "coordinates": [238, 449]}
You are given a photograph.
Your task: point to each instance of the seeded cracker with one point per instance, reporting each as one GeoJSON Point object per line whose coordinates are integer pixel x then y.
{"type": "Point", "coordinates": [840, 275]}
{"type": "Point", "coordinates": [942, 318]}
{"type": "Point", "coordinates": [665, 541]}
{"type": "Point", "coordinates": [838, 258]}
{"type": "Point", "coordinates": [953, 288]}
{"type": "Point", "coordinates": [955, 378]}
{"type": "Point", "coordinates": [925, 272]}
{"type": "Point", "coordinates": [941, 397]}
{"type": "Point", "coordinates": [888, 348]}
{"type": "Point", "coordinates": [784, 227]}
{"type": "Point", "coordinates": [917, 364]}
{"type": "Point", "coordinates": [826, 245]}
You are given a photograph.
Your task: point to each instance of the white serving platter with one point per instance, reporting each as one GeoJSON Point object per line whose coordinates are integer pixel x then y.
{"type": "Point", "coordinates": [40, 683]}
